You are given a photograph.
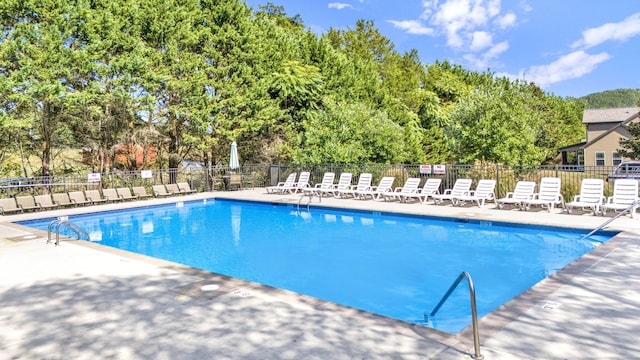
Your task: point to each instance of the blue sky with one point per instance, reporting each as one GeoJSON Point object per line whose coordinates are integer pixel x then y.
{"type": "Point", "coordinates": [567, 47]}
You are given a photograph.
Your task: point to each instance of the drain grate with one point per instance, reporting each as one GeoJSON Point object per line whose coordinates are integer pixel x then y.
{"type": "Point", "coordinates": [204, 290]}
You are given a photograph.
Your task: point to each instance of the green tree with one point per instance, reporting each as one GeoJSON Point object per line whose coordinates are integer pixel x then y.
{"type": "Point", "coordinates": [561, 125]}
{"type": "Point", "coordinates": [612, 98]}
{"type": "Point", "coordinates": [630, 148]}
{"type": "Point", "coordinates": [37, 51]}
{"type": "Point", "coordinates": [347, 133]}
{"type": "Point", "coordinates": [495, 123]}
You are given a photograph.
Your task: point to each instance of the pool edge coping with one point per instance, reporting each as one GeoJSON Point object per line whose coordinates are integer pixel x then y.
{"type": "Point", "coordinates": [490, 324]}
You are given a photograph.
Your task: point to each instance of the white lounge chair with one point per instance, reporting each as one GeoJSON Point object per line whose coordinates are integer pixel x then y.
{"type": "Point", "coordinates": [94, 197]}
{"type": "Point", "coordinates": [523, 191]}
{"type": "Point", "coordinates": [625, 195]}
{"type": "Point", "coordinates": [377, 192]}
{"type": "Point", "coordinates": [111, 195]}
{"type": "Point", "coordinates": [344, 183]}
{"type": "Point", "coordinates": [62, 199]}
{"type": "Point", "coordinates": [27, 202]}
{"type": "Point", "coordinates": [9, 205]}
{"type": "Point", "coordinates": [125, 193]}
{"type": "Point", "coordinates": [45, 202]}
{"type": "Point", "coordinates": [78, 198]}
{"type": "Point", "coordinates": [281, 187]}
{"type": "Point", "coordinates": [364, 183]}
{"type": "Point", "coordinates": [325, 187]}
{"type": "Point", "coordinates": [302, 183]}
{"type": "Point", "coordinates": [160, 190]}
{"type": "Point", "coordinates": [548, 195]}
{"type": "Point", "coordinates": [173, 189]}
{"type": "Point", "coordinates": [140, 192]}
{"type": "Point", "coordinates": [185, 188]}
{"type": "Point", "coordinates": [483, 192]}
{"type": "Point", "coordinates": [404, 192]}
{"type": "Point", "coordinates": [460, 187]}
{"type": "Point", "coordinates": [431, 187]}
{"type": "Point", "coordinates": [591, 196]}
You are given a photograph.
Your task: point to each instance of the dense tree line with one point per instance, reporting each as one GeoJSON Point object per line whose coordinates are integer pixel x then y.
{"type": "Point", "coordinates": [186, 78]}
{"type": "Point", "coordinates": [612, 99]}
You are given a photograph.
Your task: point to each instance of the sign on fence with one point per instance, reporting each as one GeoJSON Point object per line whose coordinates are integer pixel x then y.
{"type": "Point", "coordinates": [425, 169]}
{"type": "Point", "coordinates": [439, 169]}
{"type": "Point", "coordinates": [146, 174]}
{"type": "Point", "coordinates": [93, 177]}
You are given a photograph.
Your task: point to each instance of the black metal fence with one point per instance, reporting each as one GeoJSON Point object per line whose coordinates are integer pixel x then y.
{"type": "Point", "coordinates": [213, 178]}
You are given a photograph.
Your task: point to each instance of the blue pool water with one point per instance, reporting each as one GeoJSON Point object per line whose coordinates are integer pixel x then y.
{"type": "Point", "coordinates": [392, 265]}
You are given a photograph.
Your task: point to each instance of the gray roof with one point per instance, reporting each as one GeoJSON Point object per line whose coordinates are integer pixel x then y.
{"type": "Point", "coordinates": [591, 116]}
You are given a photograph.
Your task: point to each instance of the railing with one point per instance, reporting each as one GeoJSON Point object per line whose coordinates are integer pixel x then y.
{"type": "Point", "coordinates": [62, 221]}
{"type": "Point", "coordinates": [205, 178]}
{"type": "Point", "coordinates": [610, 220]}
{"type": "Point", "coordinates": [309, 193]}
{"type": "Point", "coordinates": [474, 313]}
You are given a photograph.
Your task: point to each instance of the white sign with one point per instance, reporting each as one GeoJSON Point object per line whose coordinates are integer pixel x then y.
{"type": "Point", "coordinates": [146, 174]}
{"type": "Point", "coordinates": [425, 169]}
{"type": "Point", "coordinates": [439, 169]}
{"type": "Point", "coordinates": [93, 177]}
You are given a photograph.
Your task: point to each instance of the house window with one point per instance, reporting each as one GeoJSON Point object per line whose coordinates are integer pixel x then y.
{"type": "Point", "coordinates": [600, 158]}
{"type": "Point", "coordinates": [616, 159]}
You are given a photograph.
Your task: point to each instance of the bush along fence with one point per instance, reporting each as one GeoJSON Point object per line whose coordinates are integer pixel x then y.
{"type": "Point", "coordinates": [213, 178]}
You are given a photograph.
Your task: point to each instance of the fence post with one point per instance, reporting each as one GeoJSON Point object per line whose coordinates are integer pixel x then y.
{"type": "Point", "coordinates": [497, 181]}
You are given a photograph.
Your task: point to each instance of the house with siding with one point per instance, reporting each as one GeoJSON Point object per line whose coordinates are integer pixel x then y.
{"type": "Point", "coordinates": [604, 129]}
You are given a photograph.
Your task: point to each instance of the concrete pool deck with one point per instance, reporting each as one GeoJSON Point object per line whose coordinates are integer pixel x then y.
{"type": "Point", "coordinates": [81, 300]}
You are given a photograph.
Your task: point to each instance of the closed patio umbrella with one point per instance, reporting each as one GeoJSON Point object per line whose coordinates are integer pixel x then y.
{"type": "Point", "coordinates": [234, 162]}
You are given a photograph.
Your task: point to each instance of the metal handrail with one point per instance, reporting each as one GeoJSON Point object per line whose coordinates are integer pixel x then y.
{"type": "Point", "coordinates": [614, 217]}
{"type": "Point", "coordinates": [310, 195]}
{"type": "Point", "coordinates": [69, 225]}
{"type": "Point", "coordinates": [474, 313]}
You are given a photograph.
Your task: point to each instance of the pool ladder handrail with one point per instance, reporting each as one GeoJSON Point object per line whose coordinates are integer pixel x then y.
{"type": "Point", "coordinates": [614, 217]}
{"type": "Point", "coordinates": [474, 313]}
{"type": "Point", "coordinates": [310, 195]}
{"type": "Point", "coordinates": [69, 225]}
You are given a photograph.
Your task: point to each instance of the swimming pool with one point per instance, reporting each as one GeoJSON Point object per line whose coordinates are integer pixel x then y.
{"type": "Point", "coordinates": [393, 265]}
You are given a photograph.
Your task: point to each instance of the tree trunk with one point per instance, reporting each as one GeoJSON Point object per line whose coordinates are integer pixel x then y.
{"type": "Point", "coordinates": [47, 114]}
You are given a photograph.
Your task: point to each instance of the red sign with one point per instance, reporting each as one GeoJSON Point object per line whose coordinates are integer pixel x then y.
{"type": "Point", "coordinates": [439, 169]}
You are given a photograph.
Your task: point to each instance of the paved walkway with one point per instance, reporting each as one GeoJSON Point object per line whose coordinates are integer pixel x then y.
{"type": "Point", "coordinates": [84, 301]}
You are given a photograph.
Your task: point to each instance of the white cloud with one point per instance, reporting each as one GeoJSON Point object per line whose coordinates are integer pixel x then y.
{"type": "Point", "coordinates": [484, 61]}
{"type": "Point", "coordinates": [620, 31]}
{"type": "Point", "coordinates": [571, 66]}
{"type": "Point", "coordinates": [460, 19]}
{"type": "Point", "coordinates": [480, 40]}
{"type": "Point", "coordinates": [506, 21]}
{"type": "Point", "coordinates": [469, 26]}
{"type": "Point", "coordinates": [339, 6]}
{"type": "Point", "coordinates": [496, 50]}
{"type": "Point", "coordinates": [412, 27]}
